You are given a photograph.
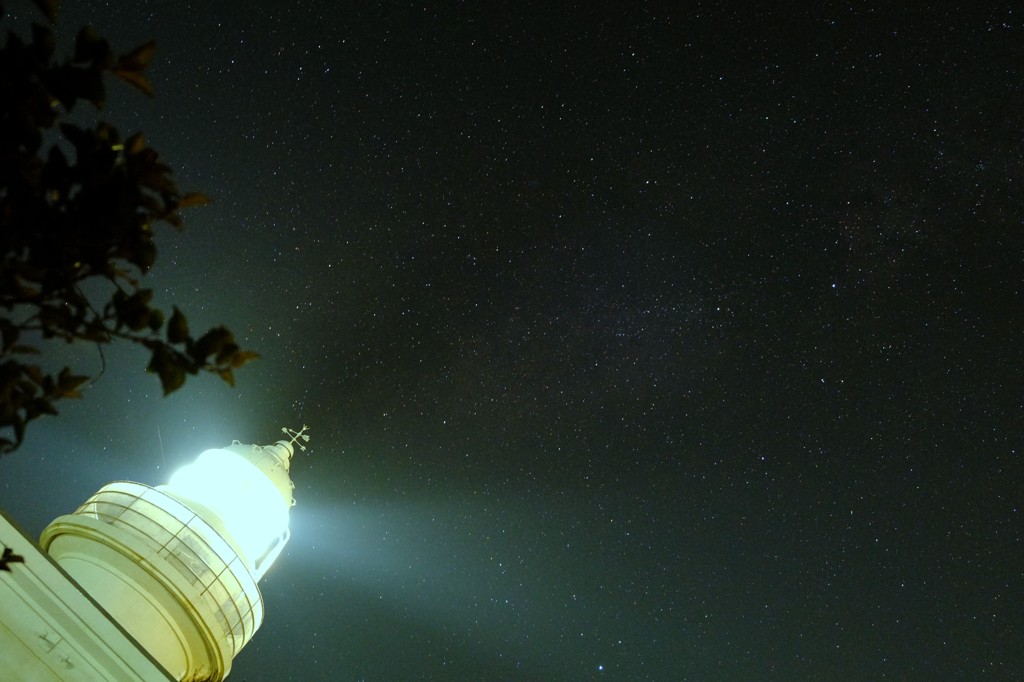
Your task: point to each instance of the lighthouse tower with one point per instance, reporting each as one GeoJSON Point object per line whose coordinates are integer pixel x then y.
{"type": "Point", "coordinates": [176, 566]}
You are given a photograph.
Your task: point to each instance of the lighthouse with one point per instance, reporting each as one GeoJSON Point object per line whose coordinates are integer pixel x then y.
{"type": "Point", "coordinates": [174, 567]}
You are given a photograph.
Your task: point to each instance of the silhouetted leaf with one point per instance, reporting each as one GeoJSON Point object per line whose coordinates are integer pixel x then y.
{"type": "Point", "coordinates": [19, 428]}
{"type": "Point", "coordinates": [144, 256]}
{"type": "Point", "coordinates": [210, 343]}
{"type": "Point", "coordinates": [68, 383]}
{"type": "Point", "coordinates": [43, 42]}
{"type": "Point", "coordinates": [81, 139]}
{"type": "Point", "coordinates": [133, 311]}
{"type": "Point", "coordinates": [177, 327]}
{"type": "Point", "coordinates": [35, 374]}
{"type": "Point", "coordinates": [193, 199]}
{"type": "Point", "coordinates": [69, 84]}
{"type": "Point", "coordinates": [130, 67]}
{"type": "Point", "coordinates": [226, 352]}
{"type": "Point", "coordinates": [242, 357]}
{"type": "Point", "coordinates": [37, 407]}
{"type": "Point", "coordinates": [50, 8]}
{"type": "Point", "coordinates": [139, 58]}
{"type": "Point", "coordinates": [168, 367]}
{"type": "Point", "coordinates": [91, 48]}
{"type": "Point", "coordinates": [137, 80]}
{"type": "Point", "coordinates": [135, 144]}
{"type": "Point", "coordinates": [96, 332]}
{"type": "Point", "coordinates": [9, 333]}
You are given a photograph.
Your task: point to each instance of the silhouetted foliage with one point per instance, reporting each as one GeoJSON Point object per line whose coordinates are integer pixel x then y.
{"type": "Point", "coordinates": [79, 205]}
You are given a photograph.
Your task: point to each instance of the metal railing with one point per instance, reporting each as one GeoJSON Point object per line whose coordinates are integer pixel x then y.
{"type": "Point", "coordinates": [191, 546]}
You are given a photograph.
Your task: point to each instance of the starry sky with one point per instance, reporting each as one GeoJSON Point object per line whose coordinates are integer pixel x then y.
{"type": "Point", "coordinates": [638, 341]}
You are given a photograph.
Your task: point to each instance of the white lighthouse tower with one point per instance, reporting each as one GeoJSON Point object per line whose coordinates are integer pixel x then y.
{"type": "Point", "coordinates": [176, 566]}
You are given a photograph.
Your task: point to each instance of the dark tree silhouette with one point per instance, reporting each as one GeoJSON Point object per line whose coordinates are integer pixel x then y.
{"type": "Point", "coordinates": [80, 205]}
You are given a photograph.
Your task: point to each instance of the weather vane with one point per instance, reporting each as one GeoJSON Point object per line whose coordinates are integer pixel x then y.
{"type": "Point", "coordinates": [296, 435]}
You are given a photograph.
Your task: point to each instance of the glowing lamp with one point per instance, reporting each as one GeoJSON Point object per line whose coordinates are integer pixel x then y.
{"type": "Point", "coordinates": [245, 493]}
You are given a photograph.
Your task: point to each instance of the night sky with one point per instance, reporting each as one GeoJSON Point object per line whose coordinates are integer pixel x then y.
{"type": "Point", "coordinates": [638, 341]}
